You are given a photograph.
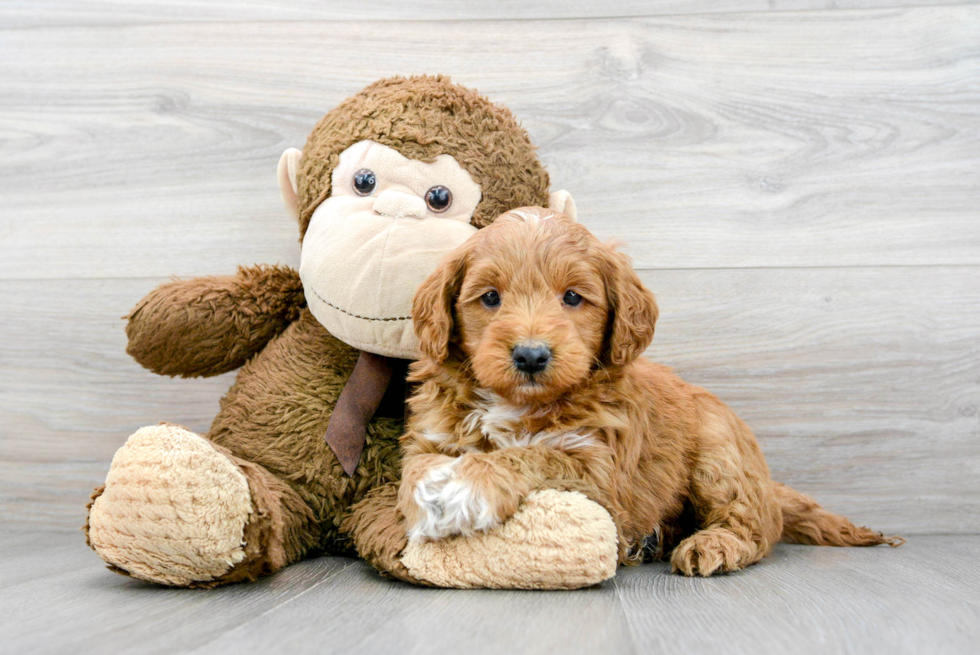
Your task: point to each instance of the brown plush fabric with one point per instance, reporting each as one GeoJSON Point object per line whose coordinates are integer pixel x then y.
{"type": "Point", "coordinates": [281, 530]}
{"type": "Point", "coordinates": [272, 421]}
{"type": "Point", "coordinates": [212, 325]}
{"type": "Point", "coordinates": [277, 412]}
{"type": "Point", "coordinates": [423, 117]}
{"type": "Point", "coordinates": [271, 425]}
{"type": "Point", "coordinates": [356, 406]}
{"type": "Point", "coordinates": [379, 534]}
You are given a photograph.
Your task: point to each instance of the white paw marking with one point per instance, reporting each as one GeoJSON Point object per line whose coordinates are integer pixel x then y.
{"type": "Point", "coordinates": [449, 505]}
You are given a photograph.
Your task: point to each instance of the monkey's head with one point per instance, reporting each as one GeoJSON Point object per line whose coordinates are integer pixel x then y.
{"type": "Point", "coordinates": [390, 181]}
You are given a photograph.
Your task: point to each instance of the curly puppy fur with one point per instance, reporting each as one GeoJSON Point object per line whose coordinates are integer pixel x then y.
{"type": "Point", "coordinates": [672, 461]}
{"type": "Point", "coordinates": [273, 419]}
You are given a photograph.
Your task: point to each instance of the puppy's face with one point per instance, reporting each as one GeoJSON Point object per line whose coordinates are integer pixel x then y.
{"type": "Point", "coordinates": [531, 310]}
{"type": "Point", "coordinates": [535, 303]}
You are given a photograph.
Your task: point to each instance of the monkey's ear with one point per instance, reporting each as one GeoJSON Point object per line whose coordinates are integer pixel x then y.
{"type": "Point", "coordinates": [288, 166]}
{"type": "Point", "coordinates": [562, 201]}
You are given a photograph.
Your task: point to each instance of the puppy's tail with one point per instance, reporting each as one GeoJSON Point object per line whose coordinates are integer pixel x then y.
{"type": "Point", "coordinates": [806, 522]}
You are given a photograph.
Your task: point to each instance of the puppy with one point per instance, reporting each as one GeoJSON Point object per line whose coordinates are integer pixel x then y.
{"type": "Point", "coordinates": [532, 334]}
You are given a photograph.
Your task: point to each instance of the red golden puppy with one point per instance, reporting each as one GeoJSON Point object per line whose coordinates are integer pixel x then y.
{"type": "Point", "coordinates": [532, 334]}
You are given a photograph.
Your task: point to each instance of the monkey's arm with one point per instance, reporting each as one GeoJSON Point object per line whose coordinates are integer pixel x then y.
{"type": "Point", "coordinates": [211, 325]}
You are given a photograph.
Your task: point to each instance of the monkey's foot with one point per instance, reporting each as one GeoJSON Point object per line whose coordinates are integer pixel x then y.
{"type": "Point", "coordinates": [556, 540]}
{"type": "Point", "coordinates": [173, 510]}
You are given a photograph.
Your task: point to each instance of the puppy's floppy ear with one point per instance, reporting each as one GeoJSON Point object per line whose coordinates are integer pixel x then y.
{"type": "Point", "coordinates": [432, 308]}
{"type": "Point", "coordinates": [632, 310]}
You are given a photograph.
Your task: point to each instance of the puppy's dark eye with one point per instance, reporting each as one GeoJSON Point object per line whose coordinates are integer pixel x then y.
{"type": "Point", "coordinates": [438, 198]}
{"type": "Point", "coordinates": [571, 298]}
{"type": "Point", "coordinates": [364, 182]}
{"type": "Point", "coordinates": [490, 298]}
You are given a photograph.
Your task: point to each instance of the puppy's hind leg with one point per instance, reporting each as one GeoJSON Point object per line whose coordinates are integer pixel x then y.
{"type": "Point", "coordinates": [733, 497]}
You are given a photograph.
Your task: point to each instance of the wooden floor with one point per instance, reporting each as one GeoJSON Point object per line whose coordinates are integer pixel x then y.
{"type": "Point", "coordinates": [797, 180]}
{"type": "Point", "coordinates": [57, 597]}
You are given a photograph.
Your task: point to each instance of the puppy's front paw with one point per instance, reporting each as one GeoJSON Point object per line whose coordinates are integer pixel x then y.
{"type": "Point", "coordinates": [448, 505]}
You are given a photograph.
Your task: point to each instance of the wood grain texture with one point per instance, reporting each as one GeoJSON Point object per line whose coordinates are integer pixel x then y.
{"type": "Point", "coordinates": [800, 188]}
{"type": "Point", "coordinates": [833, 138]}
{"type": "Point", "coordinates": [917, 599]}
{"type": "Point", "coordinates": [373, 615]}
{"type": "Point", "coordinates": [860, 383]}
{"type": "Point", "coordinates": [923, 597]}
{"type": "Point", "coordinates": [62, 594]}
{"type": "Point", "coordinates": [48, 13]}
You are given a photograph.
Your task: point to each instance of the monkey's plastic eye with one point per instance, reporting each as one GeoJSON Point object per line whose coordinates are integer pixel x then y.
{"type": "Point", "coordinates": [491, 298]}
{"type": "Point", "coordinates": [571, 298]}
{"type": "Point", "coordinates": [364, 182]}
{"type": "Point", "coordinates": [438, 198]}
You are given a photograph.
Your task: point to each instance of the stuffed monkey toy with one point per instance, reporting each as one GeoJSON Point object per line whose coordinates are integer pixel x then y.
{"type": "Point", "coordinates": [303, 457]}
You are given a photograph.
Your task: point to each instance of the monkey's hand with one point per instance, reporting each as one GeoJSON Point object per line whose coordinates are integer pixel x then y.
{"type": "Point", "coordinates": [211, 325]}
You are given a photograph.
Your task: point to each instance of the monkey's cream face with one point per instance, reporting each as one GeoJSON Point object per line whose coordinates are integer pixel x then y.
{"type": "Point", "coordinates": [385, 227]}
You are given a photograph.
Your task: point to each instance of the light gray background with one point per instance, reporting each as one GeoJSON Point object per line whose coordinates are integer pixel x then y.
{"type": "Point", "coordinates": [798, 181]}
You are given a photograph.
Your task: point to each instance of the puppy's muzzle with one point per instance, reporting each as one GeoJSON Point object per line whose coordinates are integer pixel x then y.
{"type": "Point", "coordinates": [531, 358]}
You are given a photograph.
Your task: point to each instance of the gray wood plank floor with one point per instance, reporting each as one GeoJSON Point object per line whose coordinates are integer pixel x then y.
{"type": "Point", "coordinates": [798, 181]}
{"type": "Point", "coordinates": [801, 188]}
{"type": "Point", "coordinates": [56, 597]}
{"type": "Point", "coordinates": [772, 140]}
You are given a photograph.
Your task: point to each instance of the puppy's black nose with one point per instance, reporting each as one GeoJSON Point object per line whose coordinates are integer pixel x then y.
{"type": "Point", "coordinates": [531, 358]}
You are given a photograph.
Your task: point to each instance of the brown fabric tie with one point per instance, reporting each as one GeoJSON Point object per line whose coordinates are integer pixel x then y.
{"type": "Point", "coordinates": [355, 407]}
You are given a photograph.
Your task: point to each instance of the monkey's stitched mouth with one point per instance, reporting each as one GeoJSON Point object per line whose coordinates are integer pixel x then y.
{"type": "Point", "coordinates": [352, 315]}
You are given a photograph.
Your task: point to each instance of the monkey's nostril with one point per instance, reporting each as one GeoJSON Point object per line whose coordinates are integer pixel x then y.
{"type": "Point", "coordinates": [531, 358]}
{"type": "Point", "coordinates": [396, 204]}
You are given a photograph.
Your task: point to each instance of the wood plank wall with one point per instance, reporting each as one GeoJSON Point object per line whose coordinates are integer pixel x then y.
{"type": "Point", "coordinates": [798, 180]}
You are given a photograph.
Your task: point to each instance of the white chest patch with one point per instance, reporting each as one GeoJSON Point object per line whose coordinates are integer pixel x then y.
{"type": "Point", "coordinates": [502, 424]}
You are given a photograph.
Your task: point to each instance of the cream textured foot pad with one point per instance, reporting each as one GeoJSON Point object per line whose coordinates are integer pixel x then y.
{"type": "Point", "coordinates": [174, 509]}
{"type": "Point", "coordinates": [556, 540]}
